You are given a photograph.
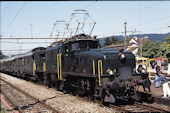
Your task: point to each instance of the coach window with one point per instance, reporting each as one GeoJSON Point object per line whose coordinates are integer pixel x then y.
{"type": "Point", "coordinates": [17, 61]}
{"type": "Point", "coordinates": [94, 44]}
{"type": "Point", "coordinates": [75, 46]}
{"type": "Point", "coordinates": [83, 45]}
{"type": "Point", "coordinates": [26, 61]}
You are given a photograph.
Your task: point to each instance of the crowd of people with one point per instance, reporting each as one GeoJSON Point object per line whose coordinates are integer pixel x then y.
{"type": "Point", "coordinates": [159, 77]}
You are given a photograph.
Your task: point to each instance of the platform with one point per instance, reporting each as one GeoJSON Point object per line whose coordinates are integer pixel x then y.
{"type": "Point", "coordinates": [156, 93]}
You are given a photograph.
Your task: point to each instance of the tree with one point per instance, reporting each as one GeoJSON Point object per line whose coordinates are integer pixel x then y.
{"type": "Point", "coordinates": [117, 39]}
{"type": "Point", "coordinates": [167, 39]}
{"type": "Point", "coordinates": [113, 40]}
{"type": "Point", "coordinates": [107, 42]}
{"type": "Point", "coordinates": [154, 50]}
{"type": "Point", "coordinates": [167, 46]}
{"type": "Point", "coordinates": [165, 50]}
{"type": "Point", "coordinates": [149, 49]}
{"type": "Point", "coordinates": [146, 50]}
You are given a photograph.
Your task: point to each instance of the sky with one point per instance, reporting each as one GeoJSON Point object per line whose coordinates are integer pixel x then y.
{"type": "Point", "coordinates": [44, 19]}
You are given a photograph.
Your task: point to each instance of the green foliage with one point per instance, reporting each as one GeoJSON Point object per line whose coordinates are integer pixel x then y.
{"type": "Point", "coordinates": [107, 42]}
{"type": "Point", "coordinates": [154, 50]}
{"type": "Point", "coordinates": [113, 40]}
{"type": "Point", "coordinates": [167, 39]}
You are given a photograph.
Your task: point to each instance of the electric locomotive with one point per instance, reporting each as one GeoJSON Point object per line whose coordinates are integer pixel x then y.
{"type": "Point", "coordinates": [80, 66]}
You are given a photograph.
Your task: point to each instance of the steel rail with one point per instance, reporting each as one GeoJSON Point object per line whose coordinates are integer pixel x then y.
{"type": "Point", "coordinates": [153, 109]}
{"type": "Point", "coordinates": [35, 99]}
{"type": "Point", "coordinates": [120, 108]}
{"type": "Point", "coordinates": [150, 107]}
{"type": "Point", "coordinates": [113, 106]}
{"type": "Point", "coordinates": [16, 107]}
{"type": "Point", "coordinates": [110, 105]}
{"type": "Point", "coordinates": [140, 105]}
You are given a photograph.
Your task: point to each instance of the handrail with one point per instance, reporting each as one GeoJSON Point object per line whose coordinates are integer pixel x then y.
{"type": "Point", "coordinates": [93, 68]}
{"type": "Point", "coordinates": [59, 66]}
{"type": "Point", "coordinates": [100, 70]}
{"type": "Point", "coordinates": [34, 67]}
{"type": "Point", "coordinates": [44, 66]}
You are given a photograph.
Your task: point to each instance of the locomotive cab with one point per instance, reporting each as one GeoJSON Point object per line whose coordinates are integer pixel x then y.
{"type": "Point", "coordinates": [73, 61]}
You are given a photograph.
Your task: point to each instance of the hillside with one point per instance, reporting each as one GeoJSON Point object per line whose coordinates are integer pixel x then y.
{"type": "Point", "coordinates": [152, 37]}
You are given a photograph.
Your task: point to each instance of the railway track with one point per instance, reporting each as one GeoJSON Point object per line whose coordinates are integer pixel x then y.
{"type": "Point", "coordinates": [137, 107]}
{"type": "Point", "coordinates": [22, 101]}
{"type": "Point", "coordinates": [13, 106]}
{"type": "Point", "coordinates": [129, 107]}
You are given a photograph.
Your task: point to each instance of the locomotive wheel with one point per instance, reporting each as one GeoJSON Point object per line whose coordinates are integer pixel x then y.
{"type": "Point", "coordinates": [91, 97]}
{"type": "Point", "coordinates": [49, 80]}
{"type": "Point", "coordinates": [45, 79]}
{"type": "Point", "coordinates": [18, 74]}
{"type": "Point", "coordinates": [35, 78]}
{"type": "Point", "coordinates": [57, 84]}
{"type": "Point", "coordinates": [74, 91]}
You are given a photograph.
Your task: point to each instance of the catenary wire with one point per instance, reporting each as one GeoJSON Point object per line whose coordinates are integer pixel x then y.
{"type": "Point", "coordinates": [13, 19]}
{"type": "Point", "coordinates": [5, 11]}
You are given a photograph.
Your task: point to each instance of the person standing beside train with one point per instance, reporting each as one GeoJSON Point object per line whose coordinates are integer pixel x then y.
{"type": "Point", "coordinates": [139, 67]}
{"type": "Point", "coordinates": [146, 81]}
{"type": "Point", "coordinates": [162, 65]}
{"type": "Point", "coordinates": [156, 67]}
{"type": "Point", "coordinates": [166, 90]}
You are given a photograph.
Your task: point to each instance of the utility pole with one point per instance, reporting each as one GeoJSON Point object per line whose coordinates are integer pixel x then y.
{"type": "Point", "coordinates": [31, 29]}
{"type": "Point", "coordinates": [141, 47]}
{"type": "Point", "coordinates": [20, 48]}
{"type": "Point", "coordinates": [125, 33]}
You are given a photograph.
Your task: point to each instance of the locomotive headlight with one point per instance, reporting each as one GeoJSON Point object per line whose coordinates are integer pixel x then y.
{"type": "Point", "coordinates": [122, 56]}
{"type": "Point", "coordinates": [104, 56]}
{"type": "Point", "coordinates": [109, 71]}
{"type": "Point", "coordinates": [114, 71]}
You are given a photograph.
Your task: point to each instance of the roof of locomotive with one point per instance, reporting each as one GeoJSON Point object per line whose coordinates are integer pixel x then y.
{"type": "Point", "coordinates": [74, 39]}
{"type": "Point", "coordinates": [101, 52]}
{"type": "Point", "coordinates": [37, 49]}
{"type": "Point", "coordinates": [55, 47]}
{"type": "Point", "coordinates": [78, 40]}
{"type": "Point", "coordinates": [80, 37]}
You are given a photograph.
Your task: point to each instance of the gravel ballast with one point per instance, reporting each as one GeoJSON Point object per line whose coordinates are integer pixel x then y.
{"type": "Point", "coordinates": [56, 99]}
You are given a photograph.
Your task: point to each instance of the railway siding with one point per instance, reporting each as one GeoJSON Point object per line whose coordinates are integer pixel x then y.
{"type": "Point", "coordinates": [23, 101]}
{"type": "Point", "coordinates": [56, 99]}
{"type": "Point", "coordinates": [66, 102]}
